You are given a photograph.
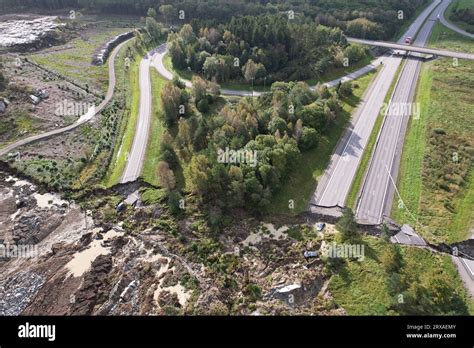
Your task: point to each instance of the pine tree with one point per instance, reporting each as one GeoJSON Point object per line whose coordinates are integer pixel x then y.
{"type": "Point", "coordinates": [347, 225]}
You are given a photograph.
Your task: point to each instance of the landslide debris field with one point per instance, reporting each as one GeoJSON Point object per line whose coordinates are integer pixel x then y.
{"type": "Point", "coordinates": [91, 258]}
{"type": "Point", "coordinates": [91, 263]}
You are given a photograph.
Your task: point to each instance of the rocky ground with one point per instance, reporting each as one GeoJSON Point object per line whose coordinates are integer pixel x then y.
{"type": "Point", "coordinates": [84, 265]}
{"type": "Point", "coordinates": [90, 259]}
{"type": "Point", "coordinates": [28, 31]}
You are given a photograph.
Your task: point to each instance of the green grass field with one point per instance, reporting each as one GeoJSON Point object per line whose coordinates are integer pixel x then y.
{"type": "Point", "coordinates": [129, 82]}
{"type": "Point", "coordinates": [17, 127]}
{"type": "Point", "coordinates": [156, 130]}
{"type": "Point", "coordinates": [369, 149]}
{"type": "Point", "coordinates": [302, 182]}
{"type": "Point", "coordinates": [361, 288]}
{"type": "Point", "coordinates": [447, 103]}
{"type": "Point", "coordinates": [460, 4]}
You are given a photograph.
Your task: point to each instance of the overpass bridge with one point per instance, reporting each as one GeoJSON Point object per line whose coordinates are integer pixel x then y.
{"type": "Point", "coordinates": [411, 48]}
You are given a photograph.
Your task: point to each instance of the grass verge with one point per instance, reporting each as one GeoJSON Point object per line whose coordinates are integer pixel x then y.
{"type": "Point", "coordinates": [156, 130]}
{"type": "Point", "coordinates": [301, 183]}
{"type": "Point", "coordinates": [130, 82]}
{"type": "Point", "coordinates": [435, 188]}
{"type": "Point", "coordinates": [445, 38]}
{"type": "Point", "coordinates": [363, 287]}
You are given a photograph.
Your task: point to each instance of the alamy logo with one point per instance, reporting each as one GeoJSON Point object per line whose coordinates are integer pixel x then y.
{"type": "Point", "coordinates": [70, 108]}
{"type": "Point", "coordinates": [241, 156]}
{"type": "Point", "coordinates": [344, 251]}
{"type": "Point", "coordinates": [20, 251]}
{"type": "Point", "coordinates": [37, 331]}
{"type": "Point", "coordinates": [401, 109]}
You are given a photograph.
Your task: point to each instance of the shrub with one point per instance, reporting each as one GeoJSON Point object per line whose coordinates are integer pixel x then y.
{"type": "Point", "coordinates": [345, 89]}
{"type": "Point", "coordinates": [295, 233]}
{"type": "Point", "coordinates": [309, 139]}
{"type": "Point", "coordinates": [174, 199]}
{"type": "Point", "coordinates": [254, 292]}
{"type": "Point", "coordinates": [153, 196]}
{"type": "Point", "coordinates": [203, 105]}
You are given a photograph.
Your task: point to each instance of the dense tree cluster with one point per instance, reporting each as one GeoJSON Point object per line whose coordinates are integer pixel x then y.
{"type": "Point", "coordinates": [151, 35]}
{"type": "Point", "coordinates": [464, 15]}
{"type": "Point", "coordinates": [381, 18]}
{"type": "Point", "coordinates": [261, 50]}
{"type": "Point", "coordinates": [271, 131]}
{"type": "Point", "coordinates": [371, 19]}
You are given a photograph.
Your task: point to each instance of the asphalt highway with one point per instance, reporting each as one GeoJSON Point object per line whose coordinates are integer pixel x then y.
{"type": "Point", "coordinates": [378, 188]}
{"type": "Point", "coordinates": [334, 185]}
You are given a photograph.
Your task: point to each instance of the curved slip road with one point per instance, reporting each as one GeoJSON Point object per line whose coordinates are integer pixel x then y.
{"type": "Point", "coordinates": [447, 23]}
{"type": "Point", "coordinates": [84, 118]}
{"type": "Point", "coordinates": [375, 200]}
{"type": "Point", "coordinates": [162, 51]}
{"type": "Point", "coordinates": [335, 184]}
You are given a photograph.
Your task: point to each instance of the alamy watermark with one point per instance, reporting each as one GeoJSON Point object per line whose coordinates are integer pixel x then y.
{"type": "Point", "coordinates": [344, 251]}
{"type": "Point", "coordinates": [37, 331]}
{"type": "Point", "coordinates": [401, 109]}
{"type": "Point", "coordinates": [10, 251]}
{"type": "Point", "coordinates": [242, 156]}
{"type": "Point", "coordinates": [72, 108]}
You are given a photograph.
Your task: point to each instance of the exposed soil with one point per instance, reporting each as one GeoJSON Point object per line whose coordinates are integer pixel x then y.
{"type": "Point", "coordinates": [84, 267]}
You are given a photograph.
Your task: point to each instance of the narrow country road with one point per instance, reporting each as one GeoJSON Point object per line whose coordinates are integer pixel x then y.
{"type": "Point", "coordinates": [335, 184]}
{"type": "Point", "coordinates": [83, 119]}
